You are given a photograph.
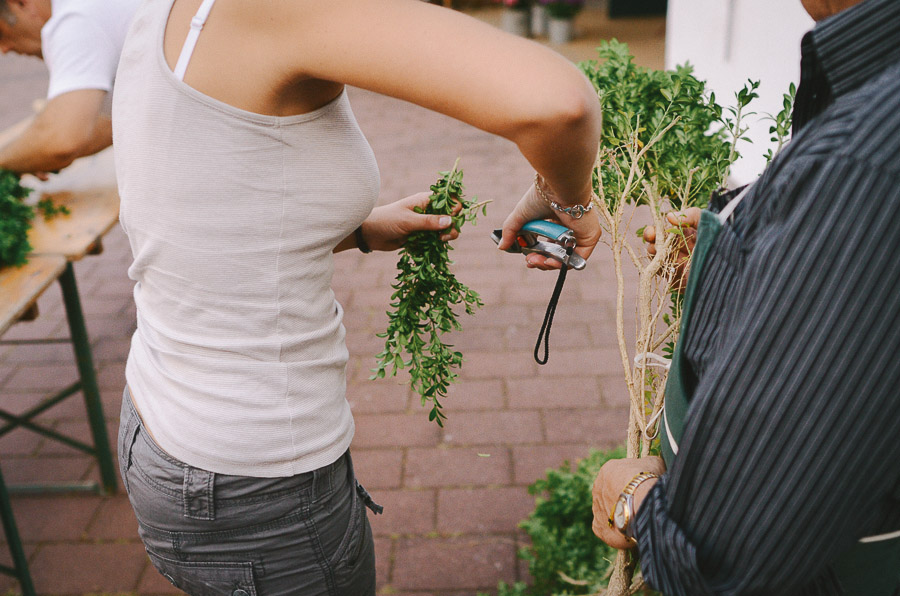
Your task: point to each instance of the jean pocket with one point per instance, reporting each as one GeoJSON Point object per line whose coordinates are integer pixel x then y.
{"type": "Point", "coordinates": [208, 579]}
{"type": "Point", "coordinates": [352, 542]}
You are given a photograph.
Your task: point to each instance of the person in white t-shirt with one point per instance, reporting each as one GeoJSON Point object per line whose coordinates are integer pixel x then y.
{"type": "Point", "coordinates": [80, 41]}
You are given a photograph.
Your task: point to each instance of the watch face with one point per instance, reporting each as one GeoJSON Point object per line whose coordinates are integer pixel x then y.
{"type": "Point", "coordinates": [619, 515]}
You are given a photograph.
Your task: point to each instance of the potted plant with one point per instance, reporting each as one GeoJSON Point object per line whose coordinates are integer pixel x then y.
{"type": "Point", "coordinates": [515, 18]}
{"type": "Point", "coordinates": [561, 13]}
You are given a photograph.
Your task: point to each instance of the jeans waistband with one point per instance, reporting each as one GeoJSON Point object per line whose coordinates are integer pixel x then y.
{"type": "Point", "coordinates": [203, 490]}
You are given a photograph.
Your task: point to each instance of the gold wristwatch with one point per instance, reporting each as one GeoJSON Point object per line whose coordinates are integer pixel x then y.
{"type": "Point", "coordinates": [623, 512]}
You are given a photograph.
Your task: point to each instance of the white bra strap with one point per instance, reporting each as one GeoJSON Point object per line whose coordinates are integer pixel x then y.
{"type": "Point", "coordinates": [726, 212]}
{"type": "Point", "coordinates": [187, 50]}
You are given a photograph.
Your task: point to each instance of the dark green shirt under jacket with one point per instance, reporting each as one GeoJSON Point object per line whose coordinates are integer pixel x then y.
{"type": "Point", "coordinates": [791, 451]}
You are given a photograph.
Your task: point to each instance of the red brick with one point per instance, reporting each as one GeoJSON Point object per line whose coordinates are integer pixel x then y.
{"type": "Point", "coordinates": [492, 316]}
{"type": "Point", "coordinates": [383, 562]}
{"type": "Point", "coordinates": [498, 364]}
{"type": "Point", "coordinates": [554, 392]}
{"type": "Point", "coordinates": [80, 431]}
{"type": "Point", "coordinates": [614, 391]}
{"type": "Point", "coordinates": [493, 428]}
{"type": "Point", "coordinates": [378, 468]}
{"type": "Point", "coordinates": [406, 512]}
{"type": "Point", "coordinates": [475, 396]}
{"type": "Point", "coordinates": [80, 568]}
{"type": "Point", "coordinates": [465, 562]}
{"type": "Point", "coordinates": [532, 462]}
{"type": "Point", "coordinates": [48, 377]}
{"type": "Point", "coordinates": [392, 430]}
{"type": "Point", "coordinates": [41, 354]}
{"type": "Point", "coordinates": [482, 510]}
{"type": "Point", "coordinates": [382, 395]}
{"type": "Point", "coordinates": [602, 427]}
{"type": "Point", "coordinates": [457, 467]}
{"type": "Point", "coordinates": [591, 361]}
{"type": "Point", "coordinates": [115, 520]}
{"type": "Point", "coordinates": [19, 442]}
{"type": "Point", "coordinates": [46, 469]}
{"type": "Point", "coordinates": [563, 336]}
{"type": "Point", "coordinates": [63, 517]}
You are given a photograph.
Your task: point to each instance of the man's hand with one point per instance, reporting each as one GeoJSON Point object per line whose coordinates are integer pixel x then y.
{"type": "Point", "coordinates": [687, 221]}
{"type": "Point", "coordinates": [388, 226]}
{"type": "Point", "coordinates": [611, 480]}
{"type": "Point", "coordinates": [587, 229]}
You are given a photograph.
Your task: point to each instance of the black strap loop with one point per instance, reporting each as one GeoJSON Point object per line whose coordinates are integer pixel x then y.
{"type": "Point", "coordinates": [544, 335]}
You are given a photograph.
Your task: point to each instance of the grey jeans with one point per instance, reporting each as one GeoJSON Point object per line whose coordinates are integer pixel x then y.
{"type": "Point", "coordinates": [305, 535]}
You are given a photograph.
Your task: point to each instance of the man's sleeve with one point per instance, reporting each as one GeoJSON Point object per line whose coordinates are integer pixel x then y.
{"type": "Point", "coordinates": [79, 55]}
{"type": "Point", "coordinates": [790, 451]}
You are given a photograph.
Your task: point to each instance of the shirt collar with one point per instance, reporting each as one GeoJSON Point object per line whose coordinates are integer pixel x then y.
{"type": "Point", "coordinates": [856, 44]}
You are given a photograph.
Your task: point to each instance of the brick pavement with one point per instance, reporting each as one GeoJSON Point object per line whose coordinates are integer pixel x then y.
{"type": "Point", "coordinates": [452, 496]}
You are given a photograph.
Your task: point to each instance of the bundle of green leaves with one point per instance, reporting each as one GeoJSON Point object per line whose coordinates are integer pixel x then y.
{"type": "Point", "coordinates": [15, 221]}
{"type": "Point", "coordinates": [565, 558]}
{"type": "Point", "coordinates": [688, 162]}
{"type": "Point", "coordinates": [425, 292]}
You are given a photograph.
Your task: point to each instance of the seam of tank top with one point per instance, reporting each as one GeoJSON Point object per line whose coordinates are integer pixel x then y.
{"type": "Point", "coordinates": [267, 120]}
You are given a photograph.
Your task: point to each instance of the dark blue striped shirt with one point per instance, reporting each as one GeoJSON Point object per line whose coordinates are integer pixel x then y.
{"type": "Point", "coordinates": [791, 450]}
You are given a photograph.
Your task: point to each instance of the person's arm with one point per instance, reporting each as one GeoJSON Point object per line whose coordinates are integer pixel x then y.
{"type": "Point", "coordinates": [790, 454]}
{"type": "Point", "coordinates": [388, 226]}
{"type": "Point", "coordinates": [70, 126]}
{"type": "Point", "coordinates": [453, 64]}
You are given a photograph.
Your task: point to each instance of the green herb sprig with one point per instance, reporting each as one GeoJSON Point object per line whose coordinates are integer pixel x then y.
{"type": "Point", "coordinates": [15, 221]}
{"type": "Point", "coordinates": [425, 292]}
{"type": "Point", "coordinates": [49, 209]}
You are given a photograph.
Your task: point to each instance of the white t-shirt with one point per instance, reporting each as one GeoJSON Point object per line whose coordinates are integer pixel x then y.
{"type": "Point", "coordinates": [82, 41]}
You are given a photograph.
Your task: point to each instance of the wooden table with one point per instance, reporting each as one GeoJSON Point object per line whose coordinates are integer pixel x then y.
{"type": "Point", "coordinates": [70, 238]}
{"type": "Point", "coordinates": [20, 287]}
{"type": "Point", "coordinates": [57, 245]}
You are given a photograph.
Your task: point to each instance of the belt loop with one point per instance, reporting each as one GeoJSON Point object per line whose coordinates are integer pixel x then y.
{"type": "Point", "coordinates": [199, 497]}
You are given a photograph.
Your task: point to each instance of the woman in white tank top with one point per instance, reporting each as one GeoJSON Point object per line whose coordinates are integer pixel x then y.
{"type": "Point", "coordinates": [241, 170]}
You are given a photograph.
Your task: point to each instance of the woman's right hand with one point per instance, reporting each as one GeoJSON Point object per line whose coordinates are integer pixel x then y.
{"type": "Point", "coordinates": [586, 229]}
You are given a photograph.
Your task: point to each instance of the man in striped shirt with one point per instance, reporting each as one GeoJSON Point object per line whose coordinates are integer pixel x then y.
{"type": "Point", "coordinates": [789, 455]}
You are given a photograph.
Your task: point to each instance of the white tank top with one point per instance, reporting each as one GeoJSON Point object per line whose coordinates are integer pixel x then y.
{"type": "Point", "coordinates": [238, 362]}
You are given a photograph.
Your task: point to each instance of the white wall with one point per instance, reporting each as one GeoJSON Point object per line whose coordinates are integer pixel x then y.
{"type": "Point", "coordinates": [729, 41]}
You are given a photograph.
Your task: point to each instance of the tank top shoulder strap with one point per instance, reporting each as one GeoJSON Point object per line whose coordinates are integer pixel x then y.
{"type": "Point", "coordinates": [187, 50]}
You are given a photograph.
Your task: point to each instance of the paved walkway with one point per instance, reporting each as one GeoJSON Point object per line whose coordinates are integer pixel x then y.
{"type": "Point", "coordinates": [452, 497]}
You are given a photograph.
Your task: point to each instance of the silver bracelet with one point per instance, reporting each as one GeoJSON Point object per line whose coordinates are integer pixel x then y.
{"type": "Point", "coordinates": [575, 211]}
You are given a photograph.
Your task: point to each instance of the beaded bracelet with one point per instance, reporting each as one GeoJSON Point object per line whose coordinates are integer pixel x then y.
{"type": "Point", "coordinates": [575, 211]}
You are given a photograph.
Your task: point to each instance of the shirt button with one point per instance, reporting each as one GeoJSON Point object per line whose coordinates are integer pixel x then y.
{"type": "Point", "coordinates": [240, 592]}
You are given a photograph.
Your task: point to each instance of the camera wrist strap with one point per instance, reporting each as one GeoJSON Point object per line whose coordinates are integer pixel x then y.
{"type": "Point", "coordinates": [544, 335]}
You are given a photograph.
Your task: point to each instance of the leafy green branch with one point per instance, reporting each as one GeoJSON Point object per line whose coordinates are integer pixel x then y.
{"type": "Point", "coordinates": [425, 292]}
{"type": "Point", "coordinates": [15, 221]}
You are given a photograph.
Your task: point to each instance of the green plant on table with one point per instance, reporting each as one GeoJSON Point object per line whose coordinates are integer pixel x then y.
{"type": "Point", "coordinates": [15, 221]}
{"type": "Point", "coordinates": [425, 292]}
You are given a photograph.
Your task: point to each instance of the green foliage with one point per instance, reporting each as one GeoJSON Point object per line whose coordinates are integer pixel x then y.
{"type": "Point", "coordinates": [562, 542]}
{"type": "Point", "coordinates": [15, 220]}
{"type": "Point", "coordinates": [425, 293]}
{"type": "Point", "coordinates": [688, 162]}
{"type": "Point", "coordinates": [782, 122]}
{"type": "Point", "coordinates": [49, 209]}
{"type": "Point", "coordinates": [565, 558]}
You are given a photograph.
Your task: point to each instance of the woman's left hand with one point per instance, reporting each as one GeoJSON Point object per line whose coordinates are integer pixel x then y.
{"type": "Point", "coordinates": [388, 226]}
{"type": "Point", "coordinates": [611, 480]}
